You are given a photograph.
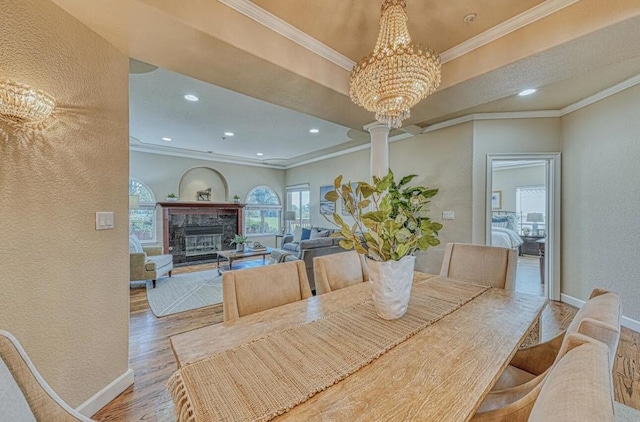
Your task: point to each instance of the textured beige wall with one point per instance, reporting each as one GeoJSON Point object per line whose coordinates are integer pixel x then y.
{"type": "Point", "coordinates": [507, 180]}
{"type": "Point", "coordinates": [601, 199]}
{"type": "Point", "coordinates": [64, 285]}
{"type": "Point", "coordinates": [441, 159]}
{"type": "Point", "coordinates": [162, 174]}
{"type": "Point", "coordinates": [506, 136]}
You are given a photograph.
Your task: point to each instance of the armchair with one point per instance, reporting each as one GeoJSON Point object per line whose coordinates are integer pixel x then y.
{"type": "Point", "coordinates": [148, 262]}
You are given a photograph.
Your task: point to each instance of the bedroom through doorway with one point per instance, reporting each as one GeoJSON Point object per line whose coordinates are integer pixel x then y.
{"type": "Point", "coordinates": [521, 215]}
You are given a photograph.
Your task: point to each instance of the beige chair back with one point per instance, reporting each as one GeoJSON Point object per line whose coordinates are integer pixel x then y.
{"type": "Point", "coordinates": [31, 397]}
{"type": "Point", "coordinates": [487, 265]}
{"type": "Point", "coordinates": [600, 318]}
{"type": "Point", "coordinates": [579, 387]}
{"type": "Point", "coordinates": [246, 292]}
{"type": "Point", "coordinates": [339, 270]}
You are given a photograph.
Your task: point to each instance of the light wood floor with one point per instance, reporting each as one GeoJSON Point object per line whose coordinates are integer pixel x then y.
{"type": "Point", "coordinates": [151, 358]}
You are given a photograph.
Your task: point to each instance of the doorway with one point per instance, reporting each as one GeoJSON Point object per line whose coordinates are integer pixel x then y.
{"type": "Point", "coordinates": [523, 212]}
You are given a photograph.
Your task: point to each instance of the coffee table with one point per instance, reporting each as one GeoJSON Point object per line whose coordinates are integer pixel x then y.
{"type": "Point", "coordinates": [232, 255]}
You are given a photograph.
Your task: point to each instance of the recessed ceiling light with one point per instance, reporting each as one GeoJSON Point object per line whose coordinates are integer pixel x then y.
{"type": "Point", "coordinates": [314, 130]}
{"type": "Point", "coordinates": [527, 92]}
{"type": "Point", "coordinates": [166, 139]}
{"type": "Point", "coordinates": [228, 134]}
{"type": "Point", "coordinates": [470, 18]}
{"type": "Point", "coordinates": [259, 154]}
{"type": "Point", "coordinates": [191, 97]}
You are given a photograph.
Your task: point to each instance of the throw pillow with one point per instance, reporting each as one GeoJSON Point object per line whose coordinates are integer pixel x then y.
{"type": "Point", "coordinates": [306, 234]}
{"type": "Point", "coordinates": [297, 234]}
{"type": "Point", "coordinates": [315, 234]}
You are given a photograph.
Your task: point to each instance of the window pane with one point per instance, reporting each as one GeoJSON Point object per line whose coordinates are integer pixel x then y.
{"type": "Point", "coordinates": [141, 224]}
{"type": "Point", "coordinates": [262, 195]}
{"type": "Point", "coordinates": [137, 188]}
{"type": "Point", "coordinates": [262, 221]}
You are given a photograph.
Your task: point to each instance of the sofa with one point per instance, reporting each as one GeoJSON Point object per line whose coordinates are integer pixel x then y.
{"type": "Point", "coordinates": [295, 247]}
{"type": "Point", "coordinates": [148, 262]}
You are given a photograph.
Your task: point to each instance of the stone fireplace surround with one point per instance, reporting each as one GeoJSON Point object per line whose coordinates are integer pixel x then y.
{"type": "Point", "coordinates": [182, 219]}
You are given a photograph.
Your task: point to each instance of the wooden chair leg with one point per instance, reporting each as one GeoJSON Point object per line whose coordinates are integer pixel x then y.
{"type": "Point", "coordinates": [170, 273]}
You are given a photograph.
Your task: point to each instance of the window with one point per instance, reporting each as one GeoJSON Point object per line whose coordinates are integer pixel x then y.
{"type": "Point", "coordinates": [142, 219]}
{"type": "Point", "coordinates": [529, 200]}
{"type": "Point", "coordinates": [262, 213]}
{"type": "Point", "coordinates": [298, 202]}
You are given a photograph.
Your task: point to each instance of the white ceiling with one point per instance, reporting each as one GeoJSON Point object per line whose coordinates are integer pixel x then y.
{"type": "Point", "coordinates": [569, 56]}
{"type": "Point", "coordinates": [158, 109]}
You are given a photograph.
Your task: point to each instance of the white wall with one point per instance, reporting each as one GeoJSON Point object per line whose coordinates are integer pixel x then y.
{"type": "Point", "coordinates": [506, 136]}
{"type": "Point", "coordinates": [162, 174]}
{"type": "Point", "coordinates": [441, 159]}
{"type": "Point", "coordinates": [64, 289]}
{"type": "Point", "coordinates": [601, 199]}
{"type": "Point", "coordinates": [508, 179]}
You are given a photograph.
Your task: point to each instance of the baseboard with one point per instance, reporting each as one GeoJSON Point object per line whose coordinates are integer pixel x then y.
{"type": "Point", "coordinates": [631, 324]}
{"type": "Point", "coordinates": [108, 393]}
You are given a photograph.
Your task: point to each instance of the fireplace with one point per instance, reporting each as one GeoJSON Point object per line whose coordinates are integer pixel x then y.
{"type": "Point", "coordinates": [196, 231]}
{"type": "Point", "coordinates": [202, 240]}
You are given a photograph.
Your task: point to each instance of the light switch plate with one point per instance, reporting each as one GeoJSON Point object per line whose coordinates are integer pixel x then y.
{"type": "Point", "coordinates": [104, 221]}
{"type": "Point", "coordinates": [448, 215]}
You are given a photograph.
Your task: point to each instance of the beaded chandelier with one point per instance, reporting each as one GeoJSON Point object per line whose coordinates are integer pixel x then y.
{"type": "Point", "coordinates": [398, 73]}
{"type": "Point", "coordinates": [22, 104]}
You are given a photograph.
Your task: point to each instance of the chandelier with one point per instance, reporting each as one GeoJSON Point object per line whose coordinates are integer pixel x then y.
{"type": "Point", "coordinates": [398, 73]}
{"type": "Point", "coordinates": [22, 104]}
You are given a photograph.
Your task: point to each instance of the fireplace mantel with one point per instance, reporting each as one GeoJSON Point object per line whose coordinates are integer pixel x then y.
{"type": "Point", "coordinates": [178, 215]}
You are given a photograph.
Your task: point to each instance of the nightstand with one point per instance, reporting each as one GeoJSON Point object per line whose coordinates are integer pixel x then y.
{"type": "Point", "coordinates": [530, 245]}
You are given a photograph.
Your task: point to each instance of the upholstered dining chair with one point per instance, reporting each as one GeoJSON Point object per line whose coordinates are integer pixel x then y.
{"type": "Point", "coordinates": [252, 290]}
{"type": "Point", "coordinates": [339, 270]}
{"type": "Point", "coordinates": [598, 319]}
{"type": "Point", "coordinates": [488, 265]}
{"type": "Point", "coordinates": [24, 394]}
{"type": "Point", "coordinates": [578, 387]}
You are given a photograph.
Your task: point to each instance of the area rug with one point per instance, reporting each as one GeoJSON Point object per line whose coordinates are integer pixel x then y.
{"type": "Point", "coordinates": [626, 413]}
{"type": "Point", "coordinates": [183, 292]}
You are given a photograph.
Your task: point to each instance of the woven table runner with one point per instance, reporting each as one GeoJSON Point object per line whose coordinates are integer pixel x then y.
{"type": "Point", "coordinates": [267, 377]}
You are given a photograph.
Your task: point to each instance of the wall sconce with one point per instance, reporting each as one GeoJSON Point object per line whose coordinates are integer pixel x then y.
{"type": "Point", "coordinates": [20, 103]}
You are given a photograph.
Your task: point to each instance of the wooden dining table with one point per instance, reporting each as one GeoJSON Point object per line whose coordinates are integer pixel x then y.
{"type": "Point", "coordinates": [442, 373]}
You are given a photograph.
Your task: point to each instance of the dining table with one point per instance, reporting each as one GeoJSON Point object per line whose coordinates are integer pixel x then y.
{"type": "Point", "coordinates": [439, 371]}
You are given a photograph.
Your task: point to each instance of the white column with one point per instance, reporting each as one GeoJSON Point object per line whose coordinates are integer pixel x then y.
{"type": "Point", "coordinates": [379, 149]}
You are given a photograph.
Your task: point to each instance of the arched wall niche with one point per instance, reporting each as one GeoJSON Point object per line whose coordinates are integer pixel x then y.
{"type": "Point", "coordinates": [202, 178]}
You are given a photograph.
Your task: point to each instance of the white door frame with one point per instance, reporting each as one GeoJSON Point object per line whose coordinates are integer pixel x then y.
{"type": "Point", "coordinates": [553, 185]}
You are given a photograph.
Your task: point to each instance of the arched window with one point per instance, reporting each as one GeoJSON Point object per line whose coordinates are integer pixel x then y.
{"type": "Point", "coordinates": [262, 213]}
{"type": "Point", "coordinates": [142, 211]}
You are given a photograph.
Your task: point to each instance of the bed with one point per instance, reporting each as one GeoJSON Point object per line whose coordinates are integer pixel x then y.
{"type": "Point", "coordinates": [503, 229]}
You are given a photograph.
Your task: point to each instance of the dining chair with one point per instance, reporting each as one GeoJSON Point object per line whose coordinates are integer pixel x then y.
{"type": "Point", "coordinates": [339, 270]}
{"type": "Point", "coordinates": [598, 319]}
{"type": "Point", "coordinates": [577, 388]}
{"type": "Point", "coordinates": [488, 265]}
{"type": "Point", "coordinates": [24, 394]}
{"type": "Point", "coordinates": [252, 290]}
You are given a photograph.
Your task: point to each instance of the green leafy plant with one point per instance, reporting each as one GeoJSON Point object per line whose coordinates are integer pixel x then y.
{"type": "Point", "coordinates": [171, 195]}
{"type": "Point", "coordinates": [391, 219]}
{"type": "Point", "coordinates": [236, 198]}
{"type": "Point", "coordinates": [238, 240]}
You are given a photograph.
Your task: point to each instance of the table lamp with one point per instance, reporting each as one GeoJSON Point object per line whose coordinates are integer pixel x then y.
{"type": "Point", "coordinates": [535, 218]}
{"type": "Point", "coordinates": [289, 216]}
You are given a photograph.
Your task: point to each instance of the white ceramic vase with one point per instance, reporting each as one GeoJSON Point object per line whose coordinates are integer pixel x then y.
{"type": "Point", "coordinates": [391, 283]}
{"type": "Point", "coordinates": [239, 247]}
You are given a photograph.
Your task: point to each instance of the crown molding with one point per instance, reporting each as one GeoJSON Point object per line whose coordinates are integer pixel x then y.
{"type": "Point", "coordinates": [511, 25]}
{"type": "Point", "coordinates": [271, 21]}
{"type": "Point", "coordinates": [601, 95]}
{"type": "Point", "coordinates": [175, 152]}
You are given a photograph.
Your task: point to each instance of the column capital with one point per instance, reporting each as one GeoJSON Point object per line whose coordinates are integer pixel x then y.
{"type": "Point", "coordinates": [376, 127]}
